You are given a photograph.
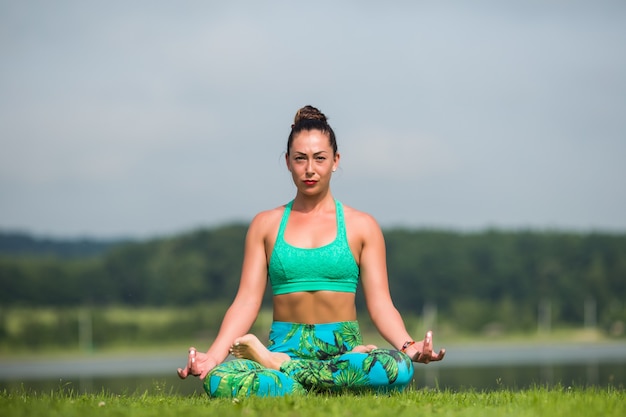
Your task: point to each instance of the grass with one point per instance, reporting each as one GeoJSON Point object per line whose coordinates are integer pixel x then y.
{"type": "Point", "coordinates": [537, 401]}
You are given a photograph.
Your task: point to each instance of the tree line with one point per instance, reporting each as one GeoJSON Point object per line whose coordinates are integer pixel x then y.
{"type": "Point", "coordinates": [473, 279]}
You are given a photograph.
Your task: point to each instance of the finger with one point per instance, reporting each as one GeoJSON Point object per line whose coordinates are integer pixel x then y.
{"type": "Point", "coordinates": [435, 357]}
{"type": "Point", "coordinates": [184, 373]}
{"type": "Point", "coordinates": [427, 348]}
{"type": "Point", "coordinates": [425, 356]}
{"type": "Point", "coordinates": [193, 363]}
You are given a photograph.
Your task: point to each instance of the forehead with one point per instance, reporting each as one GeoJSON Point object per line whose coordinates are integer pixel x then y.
{"type": "Point", "coordinates": [311, 141]}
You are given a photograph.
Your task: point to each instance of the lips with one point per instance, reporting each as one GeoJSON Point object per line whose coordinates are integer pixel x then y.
{"type": "Point", "coordinates": [310, 182]}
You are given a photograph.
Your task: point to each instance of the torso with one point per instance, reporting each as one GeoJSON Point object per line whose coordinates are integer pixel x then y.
{"type": "Point", "coordinates": [312, 230]}
{"type": "Point", "coordinates": [315, 307]}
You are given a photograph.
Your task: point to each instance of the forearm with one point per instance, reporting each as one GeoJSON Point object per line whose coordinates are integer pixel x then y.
{"type": "Point", "coordinates": [237, 321]}
{"type": "Point", "coordinates": [391, 326]}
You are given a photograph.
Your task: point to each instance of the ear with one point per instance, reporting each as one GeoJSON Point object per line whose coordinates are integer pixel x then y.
{"type": "Point", "coordinates": [336, 163]}
{"type": "Point", "coordinates": [287, 162]}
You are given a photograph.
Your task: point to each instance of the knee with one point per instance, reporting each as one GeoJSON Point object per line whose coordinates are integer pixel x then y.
{"type": "Point", "coordinates": [228, 378]}
{"type": "Point", "coordinates": [405, 374]}
{"type": "Point", "coordinates": [392, 369]}
{"type": "Point", "coordinates": [245, 378]}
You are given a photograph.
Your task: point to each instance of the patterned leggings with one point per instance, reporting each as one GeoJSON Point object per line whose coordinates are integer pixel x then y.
{"type": "Point", "coordinates": [321, 361]}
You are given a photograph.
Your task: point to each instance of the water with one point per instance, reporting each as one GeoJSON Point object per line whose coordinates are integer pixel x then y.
{"type": "Point", "coordinates": [477, 368]}
{"type": "Point", "coordinates": [524, 376]}
{"type": "Point", "coordinates": [452, 378]}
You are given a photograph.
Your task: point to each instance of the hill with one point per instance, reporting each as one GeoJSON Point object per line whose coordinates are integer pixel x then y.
{"type": "Point", "coordinates": [23, 244]}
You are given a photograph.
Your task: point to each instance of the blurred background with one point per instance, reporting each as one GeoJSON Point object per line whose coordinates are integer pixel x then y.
{"type": "Point", "coordinates": [139, 138]}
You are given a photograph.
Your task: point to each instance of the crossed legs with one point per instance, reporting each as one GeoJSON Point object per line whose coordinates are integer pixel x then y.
{"type": "Point", "coordinates": [250, 347]}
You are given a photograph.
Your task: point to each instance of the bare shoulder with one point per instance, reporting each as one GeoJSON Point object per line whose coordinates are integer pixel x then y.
{"type": "Point", "coordinates": [266, 222]}
{"type": "Point", "coordinates": [360, 223]}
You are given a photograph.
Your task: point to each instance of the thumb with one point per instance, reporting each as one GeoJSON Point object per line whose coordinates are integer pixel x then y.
{"type": "Point", "coordinates": [182, 373]}
{"type": "Point", "coordinates": [191, 361]}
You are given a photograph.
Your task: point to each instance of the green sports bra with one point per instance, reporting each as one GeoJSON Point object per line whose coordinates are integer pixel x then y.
{"type": "Point", "coordinates": [330, 267]}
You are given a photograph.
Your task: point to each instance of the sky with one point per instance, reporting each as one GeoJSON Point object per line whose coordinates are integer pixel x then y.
{"type": "Point", "coordinates": [148, 118]}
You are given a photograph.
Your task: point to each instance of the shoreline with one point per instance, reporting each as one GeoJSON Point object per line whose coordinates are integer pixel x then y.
{"type": "Point", "coordinates": [136, 363]}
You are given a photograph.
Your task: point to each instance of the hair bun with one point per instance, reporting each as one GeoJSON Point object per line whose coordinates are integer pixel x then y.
{"type": "Point", "coordinates": [309, 113]}
{"type": "Point", "coordinates": [309, 118]}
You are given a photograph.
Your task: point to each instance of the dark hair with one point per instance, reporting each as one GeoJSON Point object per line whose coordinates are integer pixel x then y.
{"type": "Point", "coordinates": [310, 118]}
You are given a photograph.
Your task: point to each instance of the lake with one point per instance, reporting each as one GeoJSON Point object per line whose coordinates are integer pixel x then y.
{"type": "Point", "coordinates": [465, 367]}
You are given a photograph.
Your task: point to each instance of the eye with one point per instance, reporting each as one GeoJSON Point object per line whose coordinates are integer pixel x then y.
{"type": "Point", "coordinates": [299, 158]}
{"type": "Point", "coordinates": [320, 158]}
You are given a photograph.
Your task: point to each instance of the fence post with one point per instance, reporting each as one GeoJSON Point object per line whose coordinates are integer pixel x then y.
{"type": "Point", "coordinates": [544, 316]}
{"type": "Point", "coordinates": [85, 330]}
{"type": "Point", "coordinates": [591, 313]}
{"type": "Point", "coordinates": [429, 315]}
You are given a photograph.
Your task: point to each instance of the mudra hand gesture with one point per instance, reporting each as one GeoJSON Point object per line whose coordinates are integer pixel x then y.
{"type": "Point", "coordinates": [422, 351]}
{"type": "Point", "coordinates": [198, 364]}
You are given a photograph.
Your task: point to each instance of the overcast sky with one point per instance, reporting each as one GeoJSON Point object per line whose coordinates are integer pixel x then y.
{"type": "Point", "coordinates": [147, 118]}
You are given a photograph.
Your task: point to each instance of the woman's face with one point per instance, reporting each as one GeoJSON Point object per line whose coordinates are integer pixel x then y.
{"type": "Point", "coordinates": [311, 161]}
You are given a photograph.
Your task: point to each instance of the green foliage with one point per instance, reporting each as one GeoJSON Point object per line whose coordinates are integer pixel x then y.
{"type": "Point", "coordinates": [198, 267]}
{"type": "Point", "coordinates": [20, 244]}
{"type": "Point", "coordinates": [538, 401]}
{"type": "Point", "coordinates": [476, 278]}
{"type": "Point", "coordinates": [28, 329]}
{"type": "Point", "coordinates": [491, 279]}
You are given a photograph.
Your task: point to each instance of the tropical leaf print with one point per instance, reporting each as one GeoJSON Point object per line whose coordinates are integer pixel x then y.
{"type": "Point", "coordinates": [309, 373]}
{"type": "Point", "coordinates": [291, 333]}
{"type": "Point", "coordinates": [246, 384]}
{"type": "Point", "coordinates": [242, 378]}
{"type": "Point", "coordinates": [402, 357]}
{"type": "Point", "coordinates": [338, 365]}
{"type": "Point", "coordinates": [346, 336]}
{"type": "Point", "coordinates": [351, 377]}
{"type": "Point", "coordinates": [308, 334]}
{"type": "Point", "coordinates": [351, 334]}
{"type": "Point", "coordinates": [304, 348]}
{"type": "Point", "coordinates": [388, 359]}
{"type": "Point", "coordinates": [233, 376]}
{"type": "Point", "coordinates": [325, 350]}
{"type": "Point", "coordinates": [310, 346]}
{"type": "Point", "coordinates": [321, 362]}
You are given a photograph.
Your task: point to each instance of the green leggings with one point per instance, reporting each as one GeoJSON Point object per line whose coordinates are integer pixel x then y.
{"type": "Point", "coordinates": [321, 361]}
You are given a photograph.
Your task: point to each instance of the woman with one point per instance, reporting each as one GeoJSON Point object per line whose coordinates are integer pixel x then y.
{"type": "Point", "coordinates": [313, 250]}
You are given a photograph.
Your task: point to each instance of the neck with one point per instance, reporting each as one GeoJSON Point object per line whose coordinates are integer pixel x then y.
{"type": "Point", "coordinates": [313, 203]}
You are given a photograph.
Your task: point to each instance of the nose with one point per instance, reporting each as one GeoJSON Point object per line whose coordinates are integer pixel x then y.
{"type": "Point", "coordinates": [309, 168]}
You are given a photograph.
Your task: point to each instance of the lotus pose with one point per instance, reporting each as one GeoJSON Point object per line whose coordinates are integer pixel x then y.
{"type": "Point", "coordinates": [313, 251]}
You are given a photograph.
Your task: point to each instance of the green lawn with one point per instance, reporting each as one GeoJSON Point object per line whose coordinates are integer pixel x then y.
{"type": "Point", "coordinates": [554, 402]}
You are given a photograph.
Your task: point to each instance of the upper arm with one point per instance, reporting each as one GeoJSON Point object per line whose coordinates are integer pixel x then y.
{"type": "Point", "coordinates": [254, 268]}
{"type": "Point", "coordinates": [373, 267]}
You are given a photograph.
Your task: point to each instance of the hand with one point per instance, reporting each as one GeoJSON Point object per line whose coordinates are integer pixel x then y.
{"type": "Point", "coordinates": [198, 364]}
{"type": "Point", "coordinates": [422, 352]}
{"type": "Point", "coordinates": [364, 348]}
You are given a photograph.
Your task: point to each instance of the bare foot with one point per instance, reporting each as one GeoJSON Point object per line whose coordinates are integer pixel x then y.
{"type": "Point", "coordinates": [364, 348]}
{"type": "Point", "coordinates": [250, 347]}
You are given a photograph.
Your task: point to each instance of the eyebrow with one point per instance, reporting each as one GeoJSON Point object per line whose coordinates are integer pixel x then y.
{"type": "Point", "coordinates": [304, 153]}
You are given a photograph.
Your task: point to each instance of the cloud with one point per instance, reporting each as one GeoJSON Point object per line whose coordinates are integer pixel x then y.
{"type": "Point", "coordinates": [140, 117]}
{"type": "Point", "coordinates": [392, 154]}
